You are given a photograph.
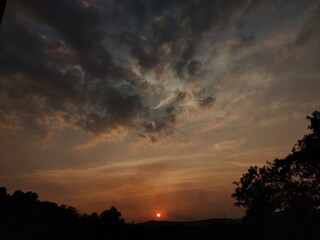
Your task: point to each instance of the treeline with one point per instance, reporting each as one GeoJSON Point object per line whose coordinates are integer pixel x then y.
{"type": "Point", "coordinates": [24, 216]}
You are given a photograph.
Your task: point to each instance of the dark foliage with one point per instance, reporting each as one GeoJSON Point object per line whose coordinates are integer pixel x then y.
{"type": "Point", "coordinates": [289, 186]}
{"type": "Point", "coordinates": [2, 8]}
{"type": "Point", "coordinates": [23, 216]}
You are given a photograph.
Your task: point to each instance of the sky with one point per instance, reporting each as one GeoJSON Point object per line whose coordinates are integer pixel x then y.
{"type": "Point", "coordinates": [152, 105]}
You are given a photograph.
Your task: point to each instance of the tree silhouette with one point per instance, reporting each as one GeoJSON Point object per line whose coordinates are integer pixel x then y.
{"type": "Point", "coordinates": [2, 8]}
{"type": "Point", "coordinates": [24, 216]}
{"type": "Point", "coordinates": [4, 196]}
{"type": "Point", "coordinates": [284, 185]}
{"type": "Point", "coordinates": [112, 217]}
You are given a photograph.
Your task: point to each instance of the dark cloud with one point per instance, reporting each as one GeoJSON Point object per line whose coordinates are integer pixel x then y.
{"type": "Point", "coordinates": [193, 67]}
{"type": "Point", "coordinates": [206, 102]}
{"type": "Point", "coordinates": [112, 110]}
{"type": "Point", "coordinates": [161, 126]}
{"type": "Point", "coordinates": [180, 95]}
{"type": "Point", "coordinates": [201, 16]}
{"type": "Point", "coordinates": [78, 25]}
{"type": "Point", "coordinates": [185, 58]}
{"type": "Point", "coordinates": [86, 62]}
{"type": "Point", "coordinates": [141, 50]}
{"type": "Point", "coordinates": [241, 43]}
{"type": "Point", "coordinates": [72, 76]}
{"type": "Point", "coordinates": [310, 34]}
{"type": "Point", "coordinates": [135, 12]}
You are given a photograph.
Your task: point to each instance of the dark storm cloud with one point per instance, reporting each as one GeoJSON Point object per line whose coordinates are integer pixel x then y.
{"type": "Point", "coordinates": [241, 43]}
{"type": "Point", "coordinates": [141, 50]}
{"type": "Point", "coordinates": [40, 81]}
{"type": "Point", "coordinates": [202, 16]}
{"type": "Point", "coordinates": [81, 28]}
{"type": "Point", "coordinates": [161, 126]}
{"type": "Point", "coordinates": [76, 24]}
{"type": "Point", "coordinates": [71, 60]}
{"type": "Point", "coordinates": [310, 34]}
{"type": "Point", "coordinates": [180, 96]}
{"type": "Point", "coordinates": [206, 102]}
{"type": "Point", "coordinates": [185, 57]}
{"type": "Point", "coordinates": [114, 109]}
{"type": "Point", "coordinates": [193, 67]}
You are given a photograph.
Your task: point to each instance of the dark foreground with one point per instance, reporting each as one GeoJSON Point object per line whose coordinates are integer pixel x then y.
{"type": "Point", "coordinates": [23, 216]}
{"type": "Point", "coordinates": [36, 228]}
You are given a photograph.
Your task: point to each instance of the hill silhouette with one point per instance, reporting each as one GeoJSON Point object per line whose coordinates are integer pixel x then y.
{"type": "Point", "coordinates": [200, 223]}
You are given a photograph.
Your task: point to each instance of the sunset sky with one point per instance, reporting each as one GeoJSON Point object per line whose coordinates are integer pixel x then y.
{"type": "Point", "coordinates": [152, 106]}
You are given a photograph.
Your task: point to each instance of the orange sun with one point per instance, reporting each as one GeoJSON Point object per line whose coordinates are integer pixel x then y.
{"type": "Point", "coordinates": [158, 215]}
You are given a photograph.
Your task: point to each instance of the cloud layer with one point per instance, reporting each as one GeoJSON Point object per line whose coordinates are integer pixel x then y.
{"type": "Point", "coordinates": [109, 66]}
{"type": "Point", "coordinates": [104, 65]}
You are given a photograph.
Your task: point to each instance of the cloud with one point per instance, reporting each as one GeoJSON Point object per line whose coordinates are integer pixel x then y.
{"type": "Point", "coordinates": [241, 43]}
{"type": "Point", "coordinates": [104, 66]}
{"type": "Point", "coordinates": [62, 68]}
{"type": "Point", "coordinates": [159, 126]}
{"type": "Point", "coordinates": [206, 102]}
{"type": "Point", "coordinates": [228, 145]}
{"type": "Point", "coordinates": [89, 80]}
{"type": "Point", "coordinates": [309, 34]}
{"type": "Point", "coordinates": [201, 16]}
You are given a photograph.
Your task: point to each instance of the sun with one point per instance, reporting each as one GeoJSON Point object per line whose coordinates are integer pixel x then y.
{"type": "Point", "coordinates": [158, 215]}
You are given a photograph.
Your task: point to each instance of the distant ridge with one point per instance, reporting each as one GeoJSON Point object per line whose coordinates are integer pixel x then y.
{"type": "Point", "coordinates": [153, 224]}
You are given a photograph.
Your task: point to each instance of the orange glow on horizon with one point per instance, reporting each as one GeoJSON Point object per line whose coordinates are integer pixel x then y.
{"type": "Point", "coordinates": [158, 215]}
